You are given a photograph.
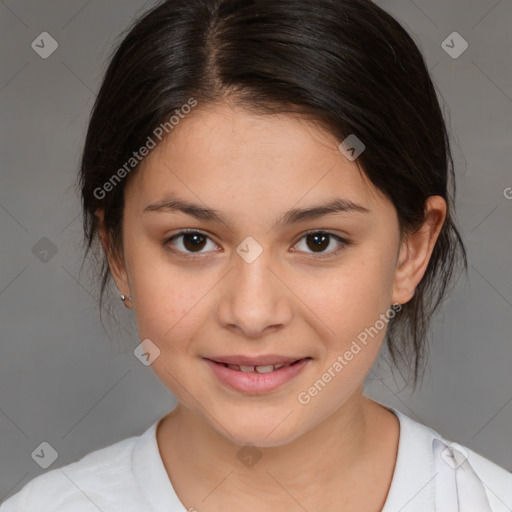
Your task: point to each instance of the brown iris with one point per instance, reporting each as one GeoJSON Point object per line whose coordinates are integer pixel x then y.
{"type": "Point", "coordinates": [196, 240]}
{"type": "Point", "coordinates": [321, 241]}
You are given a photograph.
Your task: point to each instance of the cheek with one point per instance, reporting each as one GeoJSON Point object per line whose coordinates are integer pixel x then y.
{"type": "Point", "coordinates": [352, 306]}
{"type": "Point", "coordinates": [354, 295]}
{"type": "Point", "coordinates": [170, 318]}
{"type": "Point", "coordinates": [168, 313]}
{"type": "Point", "coordinates": [168, 298]}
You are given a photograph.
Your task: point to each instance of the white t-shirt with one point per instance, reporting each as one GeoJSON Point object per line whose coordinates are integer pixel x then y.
{"type": "Point", "coordinates": [431, 474]}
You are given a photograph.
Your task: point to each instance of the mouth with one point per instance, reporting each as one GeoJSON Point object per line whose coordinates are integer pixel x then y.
{"type": "Point", "coordinates": [256, 375]}
{"type": "Point", "coordinates": [267, 368]}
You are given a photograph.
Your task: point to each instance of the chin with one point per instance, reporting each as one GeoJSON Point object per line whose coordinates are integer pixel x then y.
{"type": "Point", "coordinates": [260, 431]}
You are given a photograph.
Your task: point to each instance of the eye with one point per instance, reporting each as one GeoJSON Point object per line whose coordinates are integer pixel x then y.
{"type": "Point", "coordinates": [192, 243]}
{"type": "Point", "coordinates": [318, 241]}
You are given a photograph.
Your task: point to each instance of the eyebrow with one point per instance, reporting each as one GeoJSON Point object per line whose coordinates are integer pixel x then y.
{"type": "Point", "coordinates": [174, 204]}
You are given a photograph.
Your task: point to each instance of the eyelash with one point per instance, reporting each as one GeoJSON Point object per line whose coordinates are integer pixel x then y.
{"type": "Point", "coordinates": [344, 243]}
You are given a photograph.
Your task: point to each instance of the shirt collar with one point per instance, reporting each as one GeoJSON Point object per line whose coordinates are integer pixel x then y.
{"type": "Point", "coordinates": [150, 473]}
{"type": "Point", "coordinates": [412, 486]}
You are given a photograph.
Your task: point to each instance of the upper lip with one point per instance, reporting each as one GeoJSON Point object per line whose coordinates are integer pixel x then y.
{"type": "Point", "coordinates": [262, 360]}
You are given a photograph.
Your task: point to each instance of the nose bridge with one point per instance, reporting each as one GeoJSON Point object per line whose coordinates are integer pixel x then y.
{"type": "Point", "coordinates": [255, 298]}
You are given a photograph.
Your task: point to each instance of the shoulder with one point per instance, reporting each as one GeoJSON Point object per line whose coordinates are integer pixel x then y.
{"type": "Point", "coordinates": [82, 486]}
{"type": "Point", "coordinates": [459, 471]}
{"type": "Point", "coordinates": [496, 480]}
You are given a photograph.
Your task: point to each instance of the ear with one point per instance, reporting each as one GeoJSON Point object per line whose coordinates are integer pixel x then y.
{"type": "Point", "coordinates": [117, 267]}
{"type": "Point", "coordinates": [416, 250]}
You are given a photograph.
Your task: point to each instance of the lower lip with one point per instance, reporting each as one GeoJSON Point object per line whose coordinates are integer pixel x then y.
{"type": "Point", "coordinates": [254, 382]}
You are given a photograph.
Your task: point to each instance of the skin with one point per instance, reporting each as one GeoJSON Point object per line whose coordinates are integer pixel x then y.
{"type": "Point", "coordinates": [252, 168]}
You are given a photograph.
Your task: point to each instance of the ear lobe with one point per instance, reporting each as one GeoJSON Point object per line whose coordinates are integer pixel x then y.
{"type": "Point", "coordinates": [116, 267]}
{"type": "Point", "coordinates": [416, 250]}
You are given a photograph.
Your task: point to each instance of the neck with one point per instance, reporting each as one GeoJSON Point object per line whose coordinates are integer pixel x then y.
{"type": "Point", "coordinates": [210, 471]}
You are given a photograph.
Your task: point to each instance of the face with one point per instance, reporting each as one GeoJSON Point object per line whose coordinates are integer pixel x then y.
{"type": "Point", "coordinates": [258, 280]}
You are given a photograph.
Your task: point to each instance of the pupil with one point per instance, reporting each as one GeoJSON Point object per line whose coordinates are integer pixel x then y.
{"type": "Point", "coordinates": [322, 237]}
{"type": "Point", "coordinates": [196, 244]}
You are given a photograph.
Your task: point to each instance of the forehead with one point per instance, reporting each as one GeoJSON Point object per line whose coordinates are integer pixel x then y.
{"type": "Point", "coordinates": [225, 155]}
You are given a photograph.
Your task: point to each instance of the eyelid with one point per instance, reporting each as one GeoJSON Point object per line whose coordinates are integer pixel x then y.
{"type": "Point", "coordinates": [344, 243]}
{"type": "Point", "coordinates": [341, 240]}
{"type": "Point", "coordinates": [188, 255]}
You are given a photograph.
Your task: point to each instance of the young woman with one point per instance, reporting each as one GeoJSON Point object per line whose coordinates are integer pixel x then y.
{"type": "Point", "coordinates": [270, 181]}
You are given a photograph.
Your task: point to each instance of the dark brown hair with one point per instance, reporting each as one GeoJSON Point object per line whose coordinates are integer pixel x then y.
{"type": "Point", "coordinates": [346, 64]}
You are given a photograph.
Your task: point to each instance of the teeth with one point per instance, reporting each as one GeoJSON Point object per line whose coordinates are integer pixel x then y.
{"type": "Point", "coordinates": [259, 369]}
{"type": "Point", "coordinates": [265, 369]}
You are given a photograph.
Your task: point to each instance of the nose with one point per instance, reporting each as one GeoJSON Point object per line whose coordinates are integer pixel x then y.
{"type": "Point", "coordinates": [255, 300]}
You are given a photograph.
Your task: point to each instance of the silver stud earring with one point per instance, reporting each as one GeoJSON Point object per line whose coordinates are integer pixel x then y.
{"type": "Point", "coordinates": [124, 297]}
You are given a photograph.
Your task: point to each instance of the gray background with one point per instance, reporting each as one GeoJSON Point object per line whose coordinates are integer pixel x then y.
{"type": "Point", "coordinates": [66, 381]}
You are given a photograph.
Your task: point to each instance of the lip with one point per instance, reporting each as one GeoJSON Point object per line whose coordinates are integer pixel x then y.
{"type": "Point", "coordinates": [257, 383]}
{"type": "Point", "coordinates": [262, 360]}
